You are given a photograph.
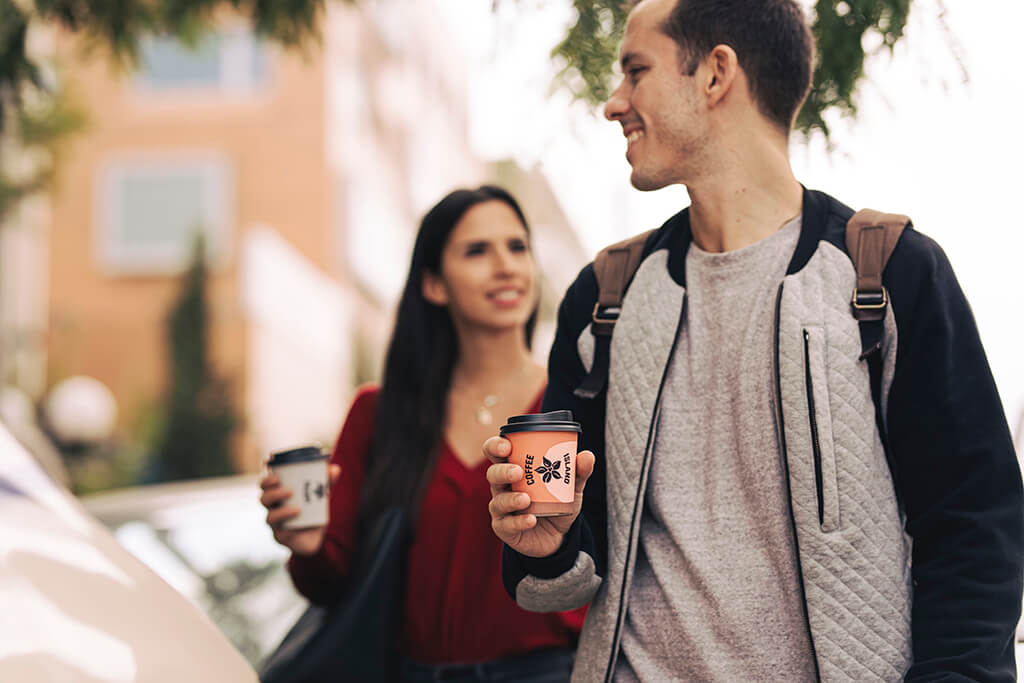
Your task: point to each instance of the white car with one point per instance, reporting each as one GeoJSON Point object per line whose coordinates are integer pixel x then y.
{"type": "Point", "coordinates": [76, 606]}
{"type": "Point", "coordinates": [208, 538]}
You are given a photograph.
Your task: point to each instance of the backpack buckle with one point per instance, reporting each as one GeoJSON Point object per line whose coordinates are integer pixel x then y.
{"type": "Point", "coordinates": [869, 301]}
{"type": "Point", "coordinates": [608, 314]}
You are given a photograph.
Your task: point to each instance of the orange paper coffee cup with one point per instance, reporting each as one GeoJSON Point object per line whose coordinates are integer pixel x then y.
{"type": "Point", "coordinates": [544, 445]}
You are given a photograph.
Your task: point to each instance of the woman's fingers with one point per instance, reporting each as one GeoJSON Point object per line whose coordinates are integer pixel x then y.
{"type": "Point", "coordinates": [273, 497]}
{"type": "Point", "coordinates": [278, 516]}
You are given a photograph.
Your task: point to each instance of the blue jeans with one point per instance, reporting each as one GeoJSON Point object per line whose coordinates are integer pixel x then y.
{"type": "Point", "coordinates": [539, 666]}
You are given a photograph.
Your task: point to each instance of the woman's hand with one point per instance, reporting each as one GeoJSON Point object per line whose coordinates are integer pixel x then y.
{"type": "Point", "coordinates": [299, 541]}
{"type": "Point", "coordinates": [526, 533]}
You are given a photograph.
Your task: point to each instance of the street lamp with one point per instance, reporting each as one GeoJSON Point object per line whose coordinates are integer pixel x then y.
{"type": "Point", "coordinates": [81, 411]}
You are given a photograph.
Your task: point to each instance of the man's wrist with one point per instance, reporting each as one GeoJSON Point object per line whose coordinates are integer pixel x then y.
{"type": "Point", "coordinates": [560, 561]}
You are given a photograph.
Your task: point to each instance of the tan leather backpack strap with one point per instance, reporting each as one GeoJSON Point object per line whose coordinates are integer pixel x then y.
{"type": "Point", "coordinates": [614, 267]}
{"type": "Point", "coordinates": [871, 237]}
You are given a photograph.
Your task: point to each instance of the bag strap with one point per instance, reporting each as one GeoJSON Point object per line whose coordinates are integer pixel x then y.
{"type": "Point", "coordinates": [614, 267]}
{"type": "Point", "coordinates": [871, 237]}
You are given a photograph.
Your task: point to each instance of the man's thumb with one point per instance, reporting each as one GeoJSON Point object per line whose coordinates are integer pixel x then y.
{"type": "Point", "coordinates": [584, 468]}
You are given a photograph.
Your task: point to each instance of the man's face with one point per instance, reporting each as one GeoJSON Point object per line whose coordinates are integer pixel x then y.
{"type": "Point", "coordinates": [657, 104]}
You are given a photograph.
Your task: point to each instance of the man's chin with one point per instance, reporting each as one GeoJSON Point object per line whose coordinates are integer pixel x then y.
{"type": "Point", "coordinates": [646, 183]}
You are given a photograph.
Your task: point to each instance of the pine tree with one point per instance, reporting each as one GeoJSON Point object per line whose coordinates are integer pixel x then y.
{"type": "Point", "coordinates": [200, 415]}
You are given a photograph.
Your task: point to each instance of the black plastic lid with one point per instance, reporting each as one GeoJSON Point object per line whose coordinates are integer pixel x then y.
{"type": "Point", "coordinates": [294, 455]}
{"type": "Point", "coordinates": [554, 421]}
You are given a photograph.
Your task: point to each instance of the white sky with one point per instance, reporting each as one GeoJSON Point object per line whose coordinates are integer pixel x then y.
{"type": "Point", "coordinates": [925, 144]}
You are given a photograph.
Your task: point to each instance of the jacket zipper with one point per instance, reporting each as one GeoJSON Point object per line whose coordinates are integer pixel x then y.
{"type": "Point", "coordinates": [651, 430]}
{"type": "Point", "coordinates": [815, 442]}
{"type": "Point", "coordinates": [785, 464]}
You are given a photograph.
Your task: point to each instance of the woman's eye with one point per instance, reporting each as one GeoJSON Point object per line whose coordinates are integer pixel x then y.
{"type": "Point", "coordinates": [518, 246]}
{"type": "Point", "coordinates": [475, 249]}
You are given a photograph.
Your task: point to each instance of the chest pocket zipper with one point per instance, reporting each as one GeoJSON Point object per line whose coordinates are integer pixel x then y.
{"type": "Point", "coordinates": [820, 419]}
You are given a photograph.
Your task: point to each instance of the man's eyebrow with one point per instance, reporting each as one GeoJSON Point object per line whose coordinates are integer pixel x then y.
{"type": "Point", "coordinates": [626, 59]}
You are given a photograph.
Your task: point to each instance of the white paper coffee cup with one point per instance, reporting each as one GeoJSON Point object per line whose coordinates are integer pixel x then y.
{"type": "Point", "coordinates": [304, 471]}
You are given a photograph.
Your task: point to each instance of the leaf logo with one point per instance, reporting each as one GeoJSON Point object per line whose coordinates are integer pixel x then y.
{"type": "Point", "coordinates": [549, 470]}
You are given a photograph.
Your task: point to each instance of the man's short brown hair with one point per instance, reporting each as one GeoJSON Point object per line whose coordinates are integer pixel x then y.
{"type": "Point", "coordinates": [771, 39]}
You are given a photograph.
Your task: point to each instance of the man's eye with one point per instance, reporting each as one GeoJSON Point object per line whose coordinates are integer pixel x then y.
{"type": "Point", "coordinates": [634, 72]}
{"type": "Point", "coordinates": [475, 249]}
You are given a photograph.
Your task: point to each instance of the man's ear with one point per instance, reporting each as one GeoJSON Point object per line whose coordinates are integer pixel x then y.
{"type": "Point", "coordinates": [433, 289]}
{"type": "Point", "coordinates": [722, 68]}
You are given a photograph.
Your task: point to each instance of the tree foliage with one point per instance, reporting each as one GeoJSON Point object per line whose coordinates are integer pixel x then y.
{"type": "Point", "coordinates": [589, 51]}
{"type": "Point", "coordinates": [200, 416]}
{"type": "Point", "coordinates": [35, 110]}
{"type": "Point", "coordinates": [35, 116]}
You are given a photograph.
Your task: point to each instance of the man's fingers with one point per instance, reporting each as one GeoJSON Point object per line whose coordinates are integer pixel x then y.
{"type": "Point", "coordinates": [333, 472]}
{"type": "Point", "coordinates": [497, 449]}
{"type": "Point", "coordinates": [508, 503]}
{"type": "Point", "coordinates": [269, 481]}
{"type": "Point", "coordinates": [510, 526]}
{"type": "Point", "coordinates": [584, 468]}
{"type": "Point", "coordinates": [503, 474]}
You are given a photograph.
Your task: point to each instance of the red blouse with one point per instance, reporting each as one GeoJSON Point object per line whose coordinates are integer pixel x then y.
{"type": "Point", "coordinates": [456, 608]}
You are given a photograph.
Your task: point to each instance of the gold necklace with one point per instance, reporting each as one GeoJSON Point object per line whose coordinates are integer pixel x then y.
{"type": "Point", "coordinates": [484, 415]}
{"type": "Point", "coordinates": [483, 412]}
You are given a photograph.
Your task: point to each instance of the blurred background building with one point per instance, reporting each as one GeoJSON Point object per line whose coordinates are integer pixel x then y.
{"type": "Point", "coordinates": [305, 173]}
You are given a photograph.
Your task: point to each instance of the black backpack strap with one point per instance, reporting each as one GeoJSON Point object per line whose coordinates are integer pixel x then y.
{"type": "Point", "coordinates": [614, 267]}
{"type": "Point", "coordinates": [871, 237]}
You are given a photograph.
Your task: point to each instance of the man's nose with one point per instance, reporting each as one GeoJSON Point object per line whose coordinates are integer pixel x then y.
{"type": "Point", "coordinates": [618, 103]}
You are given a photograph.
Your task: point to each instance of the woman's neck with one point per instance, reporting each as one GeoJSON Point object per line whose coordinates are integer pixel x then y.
{"type": "Point", "coordinates": [488, 358]}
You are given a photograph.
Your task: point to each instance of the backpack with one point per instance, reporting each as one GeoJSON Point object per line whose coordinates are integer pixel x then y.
{"type": "Point", "coordinates": [871, 237]}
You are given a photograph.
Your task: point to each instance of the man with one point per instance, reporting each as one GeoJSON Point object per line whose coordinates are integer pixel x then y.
{"type": "Point", "coordinates": [741, 519]}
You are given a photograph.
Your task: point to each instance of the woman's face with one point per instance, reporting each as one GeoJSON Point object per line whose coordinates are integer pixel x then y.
{"type": "Point", "coordinates": [488, 276]}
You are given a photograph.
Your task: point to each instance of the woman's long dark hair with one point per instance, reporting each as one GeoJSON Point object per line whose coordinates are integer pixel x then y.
{"type": "Point", "coordinates": [412, 404]}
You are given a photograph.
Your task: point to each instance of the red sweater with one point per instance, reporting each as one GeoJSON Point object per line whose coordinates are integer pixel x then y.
{"type": "Point", "coordinates": [456, 609]}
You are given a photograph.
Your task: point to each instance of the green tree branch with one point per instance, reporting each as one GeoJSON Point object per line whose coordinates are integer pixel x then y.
{"type": "Point", "coordinates": [588, 53]}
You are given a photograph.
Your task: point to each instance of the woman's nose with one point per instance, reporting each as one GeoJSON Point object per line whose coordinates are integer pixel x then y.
{"type": "Point", "coordinates": [508, 262]}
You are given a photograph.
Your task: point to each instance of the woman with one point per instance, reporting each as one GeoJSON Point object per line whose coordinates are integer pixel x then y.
{"type": "Point", "coordinates": [458, 363]}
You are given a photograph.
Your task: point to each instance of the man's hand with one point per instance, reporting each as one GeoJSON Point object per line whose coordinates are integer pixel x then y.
{"type": "Point", "coordinates": [527, 533]}
{"type": "Point", "coordinates": [299, 541]}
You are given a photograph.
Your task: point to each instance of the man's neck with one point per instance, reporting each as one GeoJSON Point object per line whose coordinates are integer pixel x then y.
{"type": "Point", "coordinates": [748, 197]}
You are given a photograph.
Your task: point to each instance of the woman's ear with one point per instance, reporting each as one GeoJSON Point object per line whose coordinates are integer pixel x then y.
{"type": "Point", "coordinates": [433, 289]}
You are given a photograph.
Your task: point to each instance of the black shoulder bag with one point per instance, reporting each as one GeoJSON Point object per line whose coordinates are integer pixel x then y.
{"type": "Point", "coordinates": [355, 640]}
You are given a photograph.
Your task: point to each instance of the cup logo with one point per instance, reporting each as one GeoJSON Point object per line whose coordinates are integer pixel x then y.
{"type": "Point", "coordinates": [554, 470]}
{"type": "Point", "coordinates": [310, 491]}
{"type": "Point", "coordinates": [549, 470]}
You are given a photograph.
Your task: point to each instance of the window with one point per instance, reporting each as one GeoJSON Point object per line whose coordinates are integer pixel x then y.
{"type": "Point", "coordinates": [229, 61]}
{"type": "Point", "coordinates": [151, 210]}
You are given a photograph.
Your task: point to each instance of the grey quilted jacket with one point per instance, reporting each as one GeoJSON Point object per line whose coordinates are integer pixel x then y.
{"type": "Point", "coordinates": [910, 552]}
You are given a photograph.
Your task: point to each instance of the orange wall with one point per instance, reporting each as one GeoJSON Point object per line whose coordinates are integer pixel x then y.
{"type": "Point", "coordinates": [112, 327]}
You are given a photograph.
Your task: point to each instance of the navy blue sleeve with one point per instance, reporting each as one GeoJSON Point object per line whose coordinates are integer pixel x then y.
{"type": "Point", "coordinates": [565, 372]}
{"type": "Point", "coordinates": [955, 468]}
